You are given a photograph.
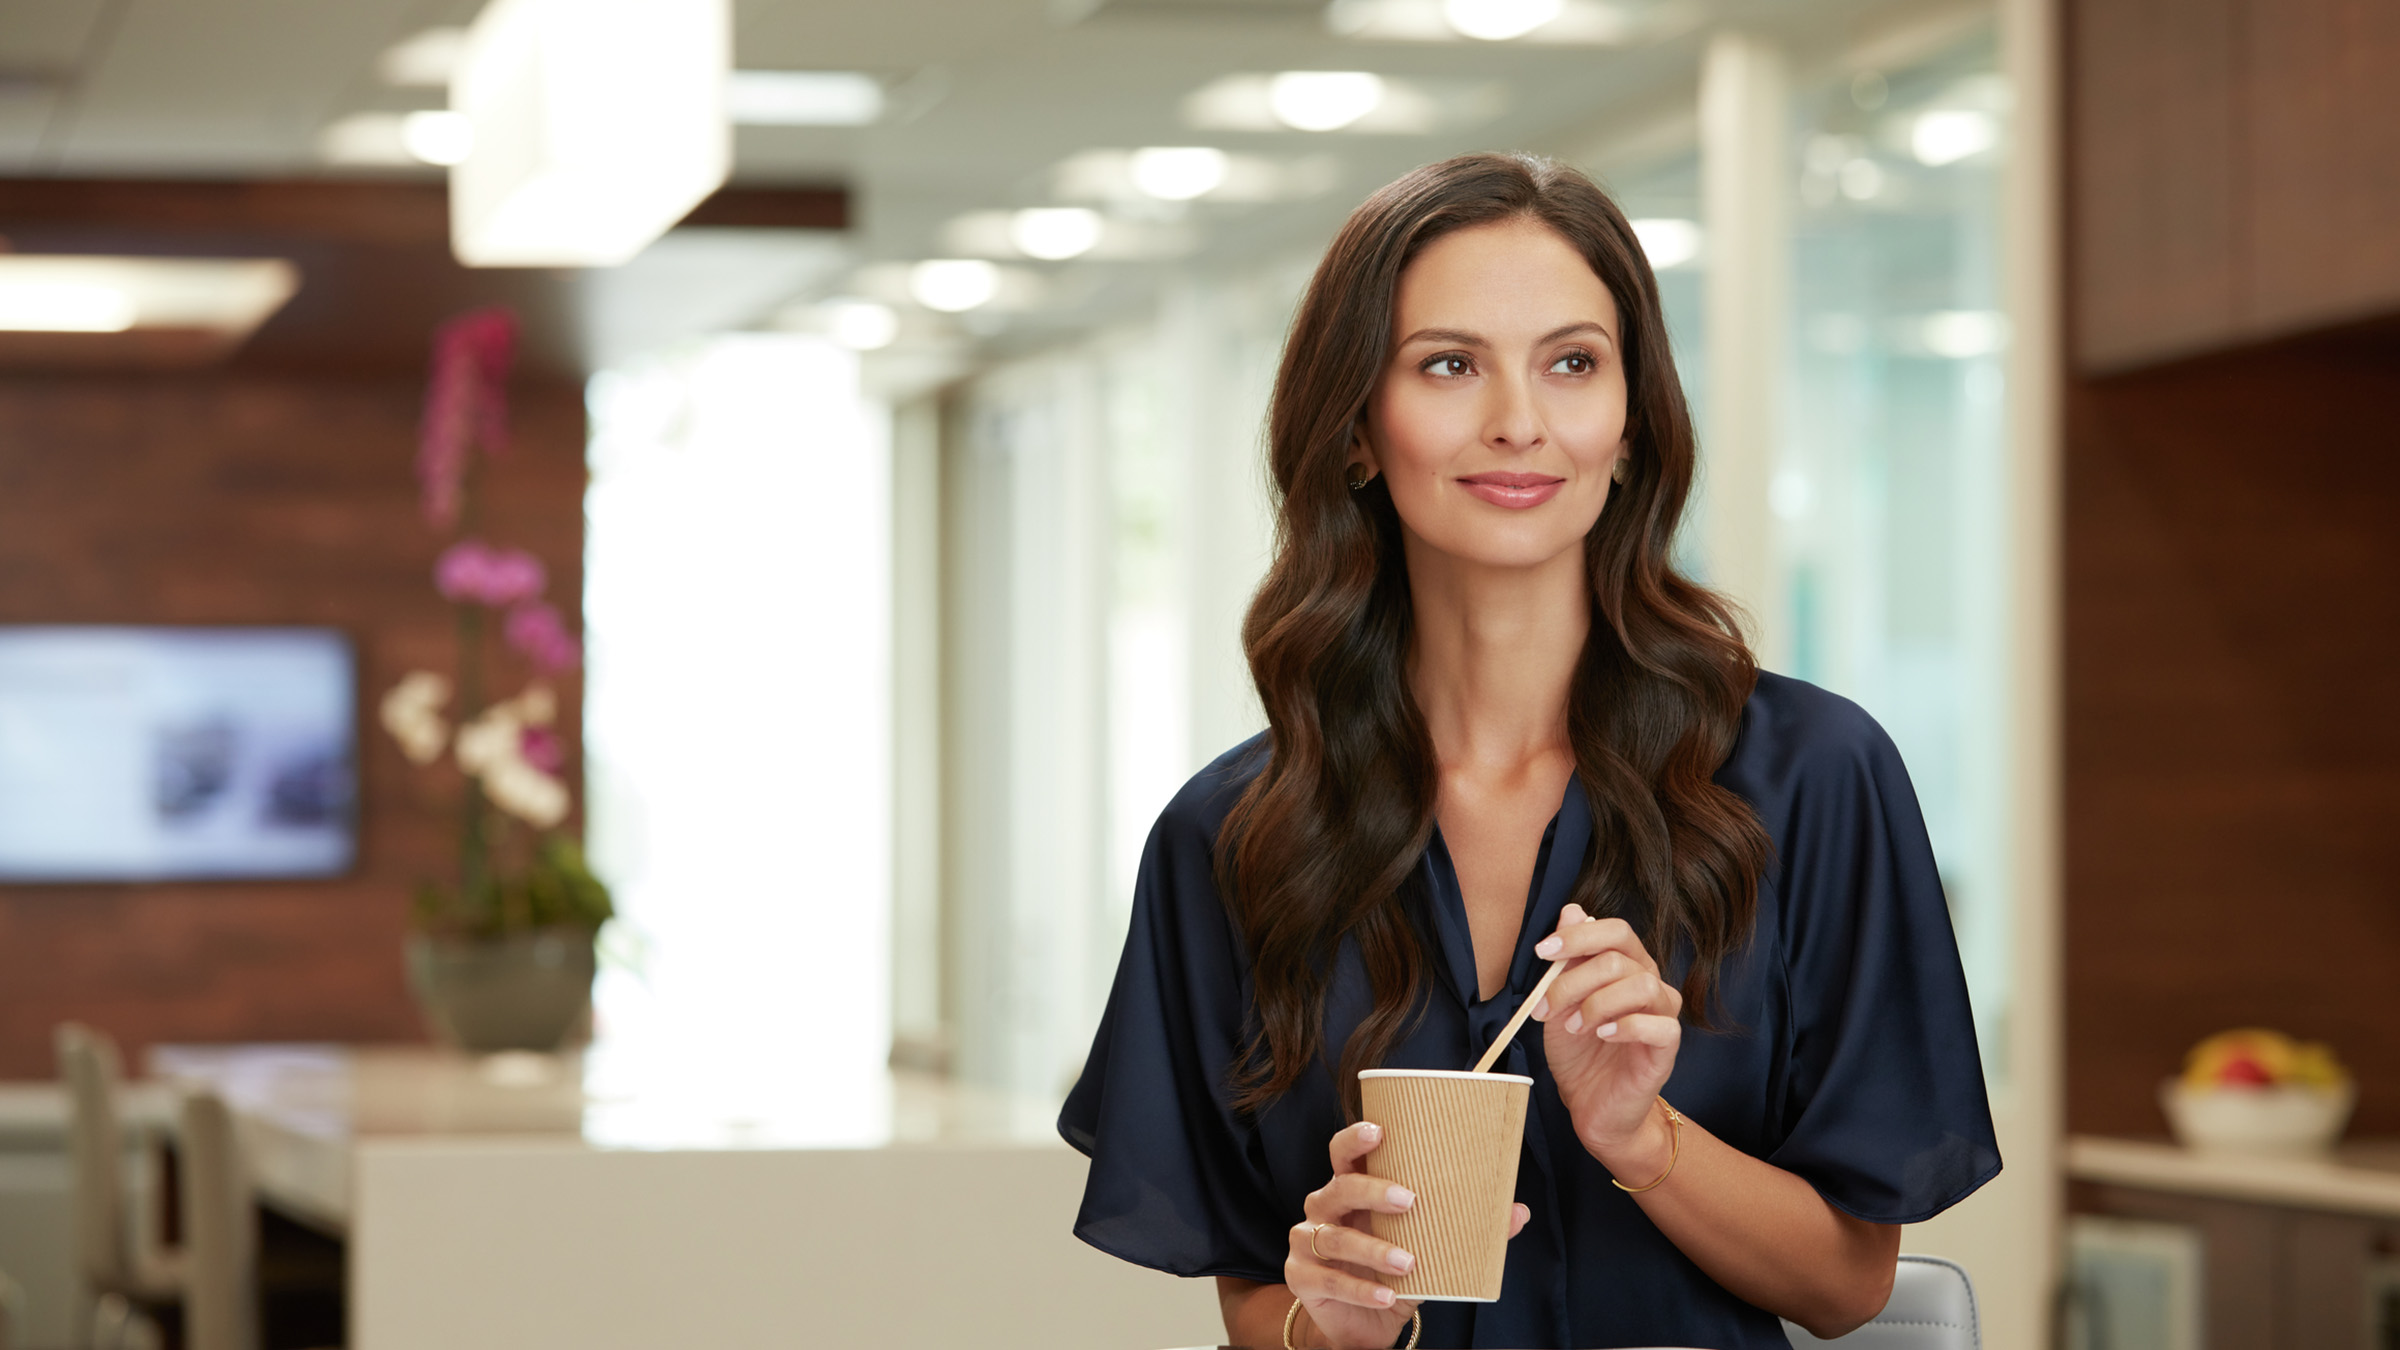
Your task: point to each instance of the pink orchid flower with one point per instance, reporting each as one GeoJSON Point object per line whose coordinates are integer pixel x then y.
{"type": "Point", "coordinates": [536, 629]}
{"type": "Point", "coordinates": [471, 570]}
{"type": "Point", "coordinates": [466, 402]}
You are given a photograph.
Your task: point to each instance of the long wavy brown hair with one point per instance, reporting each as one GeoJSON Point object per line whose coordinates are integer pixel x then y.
{"type": "Point", "coordinates": [1323, 845]}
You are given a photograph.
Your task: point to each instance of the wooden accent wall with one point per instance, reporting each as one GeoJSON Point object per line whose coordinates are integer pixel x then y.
{"type": "Point", "coordinates": [2235, 172]}
{"type": "Point", "coordinates": [2232, 593]}
{"type": "Point", "coordinates": [251, 499]}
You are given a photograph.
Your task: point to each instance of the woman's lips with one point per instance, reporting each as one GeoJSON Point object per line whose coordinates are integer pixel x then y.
{"type": "Point", "coordinates": [1513, 490]}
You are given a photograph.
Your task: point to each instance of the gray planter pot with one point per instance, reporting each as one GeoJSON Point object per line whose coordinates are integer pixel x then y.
{"type": "Point", "coordinates": [525, 991]}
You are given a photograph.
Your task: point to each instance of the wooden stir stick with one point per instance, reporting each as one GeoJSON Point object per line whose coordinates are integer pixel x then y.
{"type": "Point", "coordinates": [1524, 1010]}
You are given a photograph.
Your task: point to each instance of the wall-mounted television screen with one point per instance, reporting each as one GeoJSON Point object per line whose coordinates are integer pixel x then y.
{"type": "Point", "coordinates": [151, 754]}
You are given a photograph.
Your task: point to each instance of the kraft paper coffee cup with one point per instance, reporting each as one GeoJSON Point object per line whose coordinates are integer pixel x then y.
{"type": "Point", "coordinates": [1453, 1138]}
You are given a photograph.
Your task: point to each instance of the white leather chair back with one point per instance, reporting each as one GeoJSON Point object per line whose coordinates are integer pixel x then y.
{"type": "Point", "coordinates": [1932, 1308]}
{"type": "Point", "coordinates": [220, 1305]}
{"type": "Point", "coordinates": [88, 1061]}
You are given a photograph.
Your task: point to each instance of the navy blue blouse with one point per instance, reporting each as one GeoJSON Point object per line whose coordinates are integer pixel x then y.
{"type": "Point", "coordinates": [1849, 1056]}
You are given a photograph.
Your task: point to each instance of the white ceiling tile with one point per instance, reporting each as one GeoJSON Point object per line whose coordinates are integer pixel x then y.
{"type": "Point", "coordinates": [224, 84]}
{"type": "Point", "coordinates": [22, 117]}
{"type": "Point", "coordinates": [46, 35]}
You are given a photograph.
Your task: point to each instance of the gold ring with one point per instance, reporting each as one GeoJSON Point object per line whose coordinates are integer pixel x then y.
{"type": "Point", "coordinates": [1316, 1231]}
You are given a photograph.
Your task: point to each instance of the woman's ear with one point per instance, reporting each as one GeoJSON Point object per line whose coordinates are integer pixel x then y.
{"type": "Point", "coordinates": [1362, 453]}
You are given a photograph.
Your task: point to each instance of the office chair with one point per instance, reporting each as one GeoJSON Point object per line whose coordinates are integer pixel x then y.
{"type": "Point", "coordinates": [119, 1256]}
{"type": "Point", "coordinates": [1932, 1308]}
{"type": "Point", "coordinates": [220, 1231]}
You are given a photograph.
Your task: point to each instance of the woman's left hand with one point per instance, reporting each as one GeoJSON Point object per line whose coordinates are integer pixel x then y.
{"type": "Point", "coordinates": [1610, 1031]}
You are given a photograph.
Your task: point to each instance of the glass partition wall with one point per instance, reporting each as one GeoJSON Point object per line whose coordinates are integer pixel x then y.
{"type": "Point", "coordinates": [1888, 493]}
{"type": "Point", "coordinates": [1111, 496]}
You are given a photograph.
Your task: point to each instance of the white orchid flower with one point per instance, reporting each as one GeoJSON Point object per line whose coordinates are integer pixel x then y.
{"type": "Point", "coordinates": [412, 713]}
{"type": "Point", "coordinates": [492, 749]}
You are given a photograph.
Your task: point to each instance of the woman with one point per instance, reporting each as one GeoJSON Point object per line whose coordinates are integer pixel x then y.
{"type": "Point", "coordinates": [1503, 730]}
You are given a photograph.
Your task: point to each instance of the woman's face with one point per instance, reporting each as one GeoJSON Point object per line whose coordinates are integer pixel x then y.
{"type": "Point", "coordinates": [1502, 411]}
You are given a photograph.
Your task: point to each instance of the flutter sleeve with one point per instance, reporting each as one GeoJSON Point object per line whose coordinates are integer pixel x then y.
{"type": "Point", "coordinates": [1883, 1103]}
{"type": "Point", "coordinates": [1177, 1179]}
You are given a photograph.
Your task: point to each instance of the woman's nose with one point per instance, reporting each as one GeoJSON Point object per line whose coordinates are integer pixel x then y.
{"type": "Point", "coordinates": [1511, 420]}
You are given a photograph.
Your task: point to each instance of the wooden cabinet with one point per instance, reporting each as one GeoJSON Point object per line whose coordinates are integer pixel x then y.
{"type": "Point", "coordinates": [2295, 1253]}
{"type": "Point", "coordinates": [2234, 172]}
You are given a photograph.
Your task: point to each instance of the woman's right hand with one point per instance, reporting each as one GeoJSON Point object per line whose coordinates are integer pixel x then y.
{"type": "Point", "coordinates": [1337, 1269]}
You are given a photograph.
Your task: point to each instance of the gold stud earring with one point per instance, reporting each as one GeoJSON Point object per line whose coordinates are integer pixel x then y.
{"type": "Point", "coordinates": [1623, 469]}
{"type": "Point", "coordinates": [1358, 476]}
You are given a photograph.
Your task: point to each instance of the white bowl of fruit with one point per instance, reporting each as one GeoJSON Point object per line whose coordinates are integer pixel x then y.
{"type": "Point", "coordinates": [2254, 1091]}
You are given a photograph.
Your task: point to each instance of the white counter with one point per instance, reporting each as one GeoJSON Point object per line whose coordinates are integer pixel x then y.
{"type": "Point", "coordinates": [526, 1203]}
{"type": "Point", "coordinates": [2360, 1178]}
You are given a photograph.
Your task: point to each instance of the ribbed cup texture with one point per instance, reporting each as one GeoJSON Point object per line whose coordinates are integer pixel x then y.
{"type": "Point", "coordinates": [1453, 1141]}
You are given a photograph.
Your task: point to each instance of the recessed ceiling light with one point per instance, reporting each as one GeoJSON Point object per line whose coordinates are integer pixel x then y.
{"type": "Point", "coordinates": [1054, 232]}
{"type": "Point", "coordinates": [1947, 135]}
{"type": "Point", "coordinates": [1323, 100]}
{"type": "Point", "coordinates": [438, 137]}
{"type": "Point", "coordinates": [953, 285]}
{"type": "Point", "coordinates": [803, 98]}
{"type": "Point", "coordinates": [425, 61]}
{"type": "Point", "coordinates": [863, 325]}
{"type": "Point", "coordinates": [1500, 20]}
{"type": "Point", "coordinates": [1177, 173]}
{"type": "Point", "coordinates": [1667, 242]}
{"type": "Point", "coordinates": [75, 293]}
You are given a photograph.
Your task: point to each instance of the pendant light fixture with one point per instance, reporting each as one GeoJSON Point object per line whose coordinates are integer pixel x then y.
{"type": "Point", "coordinates": [597, 124]}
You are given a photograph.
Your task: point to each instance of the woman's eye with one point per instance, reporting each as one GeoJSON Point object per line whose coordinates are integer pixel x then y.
{"type": "Point", "coordinates": [1574, 363]}
{"type": "Point", "coordinates": [1451, 364]}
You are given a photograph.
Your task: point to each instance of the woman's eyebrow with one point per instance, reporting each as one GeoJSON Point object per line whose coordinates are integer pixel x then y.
{"type": "Point", "coordinates": [1458, 335]}
{"type": "Point", "coordinates": [1571, 329]}
{"type": "Point", "coordinates": [1466, 339]}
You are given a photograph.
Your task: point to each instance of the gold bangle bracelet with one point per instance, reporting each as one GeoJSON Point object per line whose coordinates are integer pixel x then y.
{"type": "Point", "coordinates": [1416, 1326]}
{"type": "Point", "coordinates": [1674, 1151]}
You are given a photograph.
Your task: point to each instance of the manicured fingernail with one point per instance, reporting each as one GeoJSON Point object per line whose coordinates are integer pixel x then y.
{"type": "Point", "coordinates": [1400, 1196]}
{"type": "Point", "coordinates": [1368, 1129]}
{"type": "Point", "coordinates": [1607, 1029]}
{"type": "Point", "coordinates": [1541, 1009]}
{"type": "Point", "coordinates": [1400, 1260]}
{"type": "Point", "coordinates": [1547, 947]}
{"type": "Point", "coordinates": [1383, 1295]}
{"type": "Point", "coordinates": [1575, 1021]}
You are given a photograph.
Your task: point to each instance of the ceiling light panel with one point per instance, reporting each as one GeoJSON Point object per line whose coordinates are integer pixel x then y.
{"type": "Point", "coordinates": [1312, 100]}
{"type": "Point", "coordinates": [1323, 100]}
{"type": "Point", "coordinates": [598, 125]}
{"type": "Point", "coordinates": [1500, 20]}
{"type": "Point", "coordinates": [101, 294]}
{"type": "Point", "coordinates": [1593, 23]}
{"type": "Point", "coordinates": [954, 285]}
{"type": "Point", "coordinates": [804, 98]}
{"type": "Point", "coordinates": [1055, 233]}
{"type": "Point", "coordinates": [1177, 173]}
{"type": "Point", "coordinates": [861, 325]}
{"type": "Point", "coordinates": [1130, 179]}
{"type": "Point", "coordinates": [994, 234]}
